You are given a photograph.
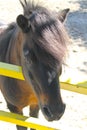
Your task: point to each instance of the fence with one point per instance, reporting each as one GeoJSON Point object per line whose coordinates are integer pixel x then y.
{"type": "Point", "coordinates": [16, 72]}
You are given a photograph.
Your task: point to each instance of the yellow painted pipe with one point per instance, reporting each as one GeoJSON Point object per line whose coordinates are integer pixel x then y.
{"type": "Point", "coordinates": [11, 70]}
{"type": "Point", "coordinates": [15, 71]}
{"type": "Point", "coordinates": [73, 88]}
{"type": "Point", "coordinates": [22, 121]}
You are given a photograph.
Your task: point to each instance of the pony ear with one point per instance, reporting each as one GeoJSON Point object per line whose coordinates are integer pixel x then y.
{"type": "Point", "coordinates": [23, 23]}
{"type": "Point", "coordinates": [62, 15]}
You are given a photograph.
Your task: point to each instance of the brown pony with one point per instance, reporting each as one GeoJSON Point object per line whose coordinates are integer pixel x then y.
{"type": "Point", "coordinates": [38, 43]}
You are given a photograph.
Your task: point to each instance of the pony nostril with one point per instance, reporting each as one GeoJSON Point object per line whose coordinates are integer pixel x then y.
{"type": "Point", "coordinates": [47, 112]}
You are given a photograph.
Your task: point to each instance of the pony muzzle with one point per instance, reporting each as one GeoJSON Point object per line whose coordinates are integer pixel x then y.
{"type": "Point", "coordinates": [55, 114]}
{"type": "Point", "coordinates": [47, 112]}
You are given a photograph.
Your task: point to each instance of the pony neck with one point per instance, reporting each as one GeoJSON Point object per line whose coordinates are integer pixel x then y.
{"type": "Point", "coordinates": [14, 52]}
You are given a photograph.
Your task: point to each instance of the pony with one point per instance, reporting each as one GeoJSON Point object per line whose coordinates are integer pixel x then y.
{"type": "Point", "coordinates": [37, 41]}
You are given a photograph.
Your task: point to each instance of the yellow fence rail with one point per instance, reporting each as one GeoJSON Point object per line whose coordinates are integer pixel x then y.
{"type": "Point", "coordinates": [24, 121]}
{"type": "Point", "coordinates": [15, 71]}
{"type": "Point", "coordinates": [11, 70]}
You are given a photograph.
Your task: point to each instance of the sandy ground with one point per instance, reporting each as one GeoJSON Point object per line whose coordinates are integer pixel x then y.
{"type": "Point", "coordinates": [75, 116]}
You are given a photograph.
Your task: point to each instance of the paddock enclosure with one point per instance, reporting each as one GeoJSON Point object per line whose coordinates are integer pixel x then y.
{"type": "Point", "coordinates": [74, 73]}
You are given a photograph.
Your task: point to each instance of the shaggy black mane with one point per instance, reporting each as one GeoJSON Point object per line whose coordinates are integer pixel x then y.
{"type": "Point", "coordinates": [49, 33]}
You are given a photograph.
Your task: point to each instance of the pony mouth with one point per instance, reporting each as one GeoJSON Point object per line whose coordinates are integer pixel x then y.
{"type": "Point", "coordinates": [54, 118]}
{"type": "Point", "coordinates": [50, 116]}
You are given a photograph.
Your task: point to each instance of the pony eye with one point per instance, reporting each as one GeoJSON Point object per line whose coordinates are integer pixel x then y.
{"type": "Point", "coordinates": [26, 52]}
{"type": "Point", "coordinates": [51, 76]}
{"type": "Point", "coordinates": [27, 55]}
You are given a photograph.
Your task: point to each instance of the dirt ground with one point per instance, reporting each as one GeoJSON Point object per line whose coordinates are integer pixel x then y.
{"type": "Point", "coordinates": [75, 117]}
